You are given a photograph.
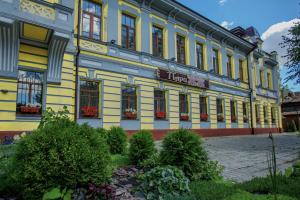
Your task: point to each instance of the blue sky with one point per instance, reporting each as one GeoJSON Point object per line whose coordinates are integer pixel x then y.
{"type": "Point", "coordinates": [268, 16]}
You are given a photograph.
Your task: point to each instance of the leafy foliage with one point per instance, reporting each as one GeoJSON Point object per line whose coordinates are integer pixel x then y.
{"type": "Point", "coordinates": [57, 193]}
{"type": "Point", "coordinates": [184, 150]}
{"type": "Point", "coordinates": [117, 140]}
{"type": "Point", "coordinates": [62, 153]}
{"type": "Point", "coordinates": [164, 181]}
{"type": "Point", "coordinates": [292, 43]}
{"type": "Point", "coordinates": [141, 147]}
{"type": "Point", "coordinates": [151, 162]}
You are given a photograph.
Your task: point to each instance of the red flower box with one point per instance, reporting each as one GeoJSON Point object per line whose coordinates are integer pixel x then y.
{"type": "Point", "coordinates": [89, 111]}
{"type": "Point", "coordinates": [28, 109]}
{"type": "Point", "coordinates": [204, 117]}
{"type": "Point", "coordinates": [184, 118]}
{"type": "Point", "coordinates": [257, 120]}
{"type": "Point", "coordinates": [220, 118]}
{"type": "Point", "coordinates": [233, 118]}
{"type": "Point", "coordinates": [160, 115]}
{"type": "Point", "coordinates": [130, 115]}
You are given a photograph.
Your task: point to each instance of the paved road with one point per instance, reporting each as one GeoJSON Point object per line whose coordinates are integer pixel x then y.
{"type": "Point", "coordinates": [245, 157]}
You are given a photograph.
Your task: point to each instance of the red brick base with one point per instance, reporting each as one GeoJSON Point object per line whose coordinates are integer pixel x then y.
{"type": "Point", "coordinates": [160, 134]}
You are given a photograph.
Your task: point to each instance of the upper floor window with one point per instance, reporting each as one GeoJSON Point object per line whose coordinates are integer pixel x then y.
{"type": "Point", "coordinates": [89, 99]}
{"type": "Point", "coordinates": [229, 66]}
{"type": "Point", "coordinates": [220, 110]}
{"type": "Point", "coordinates": [30, 93]}
{"type": "Point", "coordinates": [215, 59]}
{"type": "Point", "coordinates": [91, 20]}
{"type": "Point", "coordinates": [128, 32]}
{"type": "Point", "coordinates": [269, 77]}
{"type": "Point", "coordinates": [180, 49]}
{"type": "Point", "coordinates": [203, 109]}
{"type": "Point", "coordinates": [159, 104]}
{"type": "Point", "coordinates": [184, 107]}
{"type": "Point", "coordinates": [241, 70]}
{"type": "Point", "coordinates": [157, 41]}
{"type": "Point", "coordinates": [233, 111]}
{"type": "Point", "coordinates": [262, 76]}
{"type": "Point", "coordinates": [245, 112]}
{"type": "Point", "coordinates": [200, 56]}
{"type": "Point", "coordinates": [129, 102]}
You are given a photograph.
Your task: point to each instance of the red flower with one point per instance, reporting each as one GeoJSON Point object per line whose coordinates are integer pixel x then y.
{"type": "Point", "coordinates": [204, 117]}
{"type": "Point", "coordinates": [89, 111]}
{"type": "Point", "coordinates": [160, 115]}
{"type": "Point", "coordinates": [130, 115]}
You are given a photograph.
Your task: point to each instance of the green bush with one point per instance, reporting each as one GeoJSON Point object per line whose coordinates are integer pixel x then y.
{"type": "Point", "coordinates": [117, 140]}
{"type": "Point", "coordinates": [286, 186]}
{"type": "Point", "coordinates": [60, 153]}
{"type": "Point", "coordinates": [103, 133]}
{"type": "Point", "coordinates": [151, 162]}
{"type": "Point", "coordinates": [164, 181]}
{"type": "Point", "coordinates": [141, 147]}
{"type": "Point", "coordinates": [210, 190]}
{"type": "Point", "coordinates": [184, 150]}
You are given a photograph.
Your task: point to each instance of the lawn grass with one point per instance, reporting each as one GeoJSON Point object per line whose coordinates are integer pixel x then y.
{"type": "Point", "coordinates": [119, 161]}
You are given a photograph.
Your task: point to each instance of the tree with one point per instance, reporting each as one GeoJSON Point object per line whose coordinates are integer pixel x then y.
{"type": "Point", "coordinates": [291, 42]}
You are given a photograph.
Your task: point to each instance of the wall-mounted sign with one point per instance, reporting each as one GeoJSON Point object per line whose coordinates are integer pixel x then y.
{"type": "Point", "coordinates": [183, 79]}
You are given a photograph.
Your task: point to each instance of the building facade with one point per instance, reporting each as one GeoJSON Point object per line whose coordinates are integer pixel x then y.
{"type": "Point", "coordinates": [138, 64]}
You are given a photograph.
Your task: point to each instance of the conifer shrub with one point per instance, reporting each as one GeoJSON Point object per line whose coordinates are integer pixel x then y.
{"type": "Point", "coordinates": [117, 140]}
{"type": "Point", "coordinates": [184, 150]}
{"type": "Point", "coordinates": [60, 153]}
{"type": "Point", "coordinates": [141, 147]}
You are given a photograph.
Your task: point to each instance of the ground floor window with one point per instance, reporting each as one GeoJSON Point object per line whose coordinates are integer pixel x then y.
{"type": "Point", "coordinates": [257, 113]}
{"type": "Point", "coordinates": [233, 111]}
{"type": "Point", "coordinates": [89, 99]}
{"type": "Point", "coordinates": [129, 102]}
{"type": "Point", "coordinates": [220, 110]}
{"type": "Point", "coordinates": [160, 104]}
{"type": "Point", "coordinates": [184, 107]}
{"type": "Point", "coordinates": [266, 120]}
{"type": "Point", "coordinates": [273, 115]}
{"type": "Point", "coordinates": [245, 112]}
{"type": "Point", "coordinates": [30, 93]}
{"type": "Point", "coordinates": [203, 109]}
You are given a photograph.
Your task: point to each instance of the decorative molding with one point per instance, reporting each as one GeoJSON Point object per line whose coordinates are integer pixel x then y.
{"type": "Point", "coordinates": [94, 47]}
{"type": "Point", "coordinates": [9, 45]}
{"type": "Point", "coordinates": [57, 48]}
{"type": "Point", "coordinates": [37, 9]}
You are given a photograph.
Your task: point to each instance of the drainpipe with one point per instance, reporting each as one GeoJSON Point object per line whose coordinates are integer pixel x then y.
{"type": "Point", "coordinates": [251, 91]}
{"type": "Point", "coordinates": [77, 60]}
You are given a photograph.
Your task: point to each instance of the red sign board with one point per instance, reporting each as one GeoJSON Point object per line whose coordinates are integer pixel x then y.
{"type": "Point", "coordinates": [183, 79]}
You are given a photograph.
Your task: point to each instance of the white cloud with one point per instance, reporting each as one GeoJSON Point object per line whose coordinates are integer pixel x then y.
{"type": "Point", "coordinates": [272, 38]}
{"type": "Point", "coordinates": [227, 24]}
{"type": "Point", "coordinates": [222, 2]}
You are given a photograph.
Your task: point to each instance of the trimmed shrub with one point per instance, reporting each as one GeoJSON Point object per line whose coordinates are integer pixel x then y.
{"type": "Point", "coordinates": [141, 147]}
{"type": "Point", "coordinates": [60, 153]}
{"type": "Point", "coordinates": [117, 140]}
{"type": "Point", "coordinates": [184, 150]}
{"type": "Point", "coordinates": [164, 181]}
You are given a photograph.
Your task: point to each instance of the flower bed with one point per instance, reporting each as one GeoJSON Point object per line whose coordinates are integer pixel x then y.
{"type": "Point", "coordinates": [160, 115]}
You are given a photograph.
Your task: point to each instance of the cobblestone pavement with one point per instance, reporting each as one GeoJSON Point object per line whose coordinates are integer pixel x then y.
{"type": "Point", "coordinates": [245, 157]}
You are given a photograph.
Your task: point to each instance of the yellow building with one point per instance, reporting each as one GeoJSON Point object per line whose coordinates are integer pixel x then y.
{"type": "Point", "coordinates": [156, 65]}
